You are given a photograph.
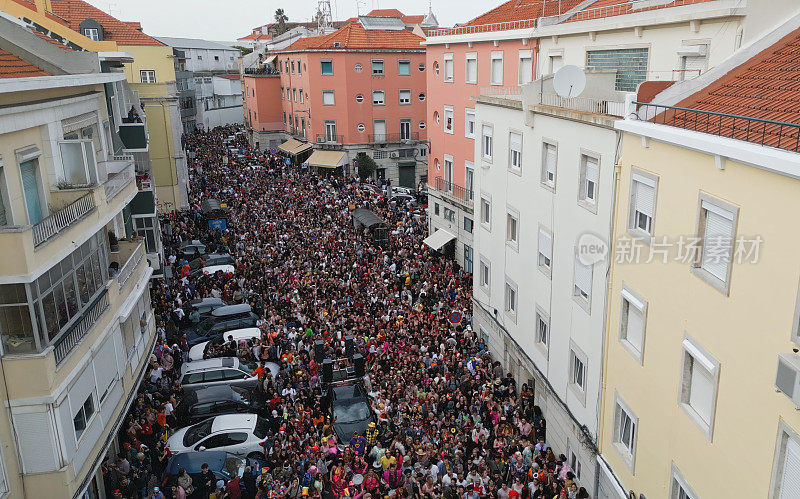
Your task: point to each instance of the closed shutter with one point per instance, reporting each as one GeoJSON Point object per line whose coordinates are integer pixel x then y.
{"type": "Point", "coordinates": [78, 122]}
{"type": "Point", "coordinates": [105, 367]}
{"type": "Point", "coordinates": [790, 481]}
{"type": "Point", "coordinates": [515, 142]}
{"type": "Point", "coordinates": [31, 189]}
{"type": "Point", "coordinates": [3, 218]}
{"type": "Point", "coordinates": [701, 390]}
{"type": "Point", "coordinates": [592, 169]}
{"type": "Point", "coordinates": [717, 240]}
{"type": "Point", "coordinates": [550, 160]}
{"type": "Point", "coordinates": [583, 276]}
{"type": "Point", "coordinates": [472, 70]}
{"type": "Point", "coordinates": [497, 71]}
{"type": "Point", "coordinates": [546, 244]}
{"type": "Point", "coordinates": [634, 329]}
{"type": "Point", "coordinates": [525, 70]}
{"type": "Point", "coordinates": [327, 98]}
{"type": "Point", "coordinates": [645, 194]}
{"type": "Point", "coordinates": [36, 442]}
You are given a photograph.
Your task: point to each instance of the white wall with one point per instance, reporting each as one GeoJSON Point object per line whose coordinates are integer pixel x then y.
{"type": "Point", "coordinates": [226, 86]}
{"type": "Point", "coordinates": [225, 63]}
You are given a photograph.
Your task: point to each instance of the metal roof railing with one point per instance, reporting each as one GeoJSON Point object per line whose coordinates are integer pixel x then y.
{"type": "Point", "coordinates": [756, 130]}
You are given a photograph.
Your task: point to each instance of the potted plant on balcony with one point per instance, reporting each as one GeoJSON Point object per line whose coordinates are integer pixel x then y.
{"type": "Point", "coordinates": [113, 242]}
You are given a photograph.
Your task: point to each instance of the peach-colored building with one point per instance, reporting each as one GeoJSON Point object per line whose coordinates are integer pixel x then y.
{"type": "Point", "coordinates": [358, 89]}
{"type": "Point", "coordinates": [261, 114]}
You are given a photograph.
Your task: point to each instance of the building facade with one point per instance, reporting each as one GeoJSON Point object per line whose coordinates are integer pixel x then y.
{"type": "Point", "coordinates": [702, 255]}
{"type": "Point", "coordinates": [74, 281]}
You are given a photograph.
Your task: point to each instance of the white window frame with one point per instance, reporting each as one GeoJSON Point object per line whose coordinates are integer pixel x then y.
{"type": "Point", "coordinates": [449, 112]}
{"type": "Point", "coordinates": [332, 95]}
{"type": "Point", "coordinates": [496, 55]}
{"type": "Point", "coordinates": [90, 170]}
{"type": "Point", "coordinates": [469, 117]}
{"type": "Point", "coordinates": [383, 98]}
{"type": "Point", "coordinates": [678, 482]}
{"type": "Point", "coordinates": [694, 354]}
{"type": "Point", "coordinates": [583, 301]}
{"type": "Point", "coordinates": [525, 55]}
{"type": "Point", "coordinates": [542, 317]}
{"type": "Point", "coordinates": [469, 180]}
{"type": "Point", "coordinates": [583, 186]}
{"type": "Point", "coordinates": [626, 451]}
{"type": "Point", "coordinates": [647, 179]}
{"type": "Point", "coordinates": [144, 75]}
{"type": "Point", "coordinates": [92, 34]}
{"type": "Point", "coordinates": [542, 256]}
{"type": "Point", "coordinates": [512, 240]}
{"type": "Point", "coordinates": [302, 98]}
{"type": "Point", "coordinates": [705, 204]}
{"type": "Point", "coordinates": [484, 274]}
{"type": "Point", "coordinates": [511, 299]}
{"type": "Point", "coordinates": [628, 299]}
{"type": "Point", "coordinates": [404, 61]}
{"type": "Point", "coordinates": [577, 356]}
{"type": "Point", "coordinates": [449, 75]}
{"type": "Point", "coordinates": [785, 433]}
{"type": "Point", "coordinates": [381, 71]}
{"type": "Point", "coordinates": [487, 199]}
{"type": "Point", "coordinates": [487, 146]}
{"type": "Point", "coordinates": [321, 63]}
{"type": "Point", "coordinates": [468, 57]}
{"type": "Point", "coordinates": [400, 97]}
{"type": "Point", "coordinates": [515, 167]}
{"type": "Point", "coordinates": [795, 325]}
{"type": "Point", "coordinates": [546, 182]}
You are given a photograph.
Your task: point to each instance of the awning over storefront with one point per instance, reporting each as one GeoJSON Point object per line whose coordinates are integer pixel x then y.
{"type": "Point", "coordinates": [294, 147]}
{"type": "Point", "coordinates": [270, 59]}
{"type": "Point", "coordinates": [327, 159]}
{"type": "Point", "coordinates": [438, 239]}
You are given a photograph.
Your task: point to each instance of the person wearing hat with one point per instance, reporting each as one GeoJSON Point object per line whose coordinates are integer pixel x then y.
{"type": "Point", "coordinates": [156, 494]}
{"type": "Point", "coordinates": [371, 434]}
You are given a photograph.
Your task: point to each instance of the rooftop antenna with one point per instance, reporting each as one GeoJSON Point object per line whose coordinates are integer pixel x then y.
{"type": "Point", "coordinates": [324, 19]}
{"type": "Point", "coordinates": [569, 81]}
{"type": "Point", "coordinates": [359, 3]}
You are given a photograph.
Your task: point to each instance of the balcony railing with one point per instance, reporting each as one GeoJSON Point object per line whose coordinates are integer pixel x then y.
{"type": "Point", "coordinates": [393, 137]}
{"type": "Point", "coordinates": [118, 181]}
{"type": "Point", "coordinates": [330, 139]}
{"type": "Point", "coordinates": [70, 338]}
{"type": "Point", "coordinates": [62, 219]}
{"type": "Point", "coordinates": [595, 106]}
{"type": "Point", "coordinates": [455, 190]}
{"type": "Point", "coordinates": [484, 28]}
{"type": "Point", "coordinates": [134, 260]}
{"type": "Point", "coordinates": [765, 132]}
{"type": "Point", "coordinates": [510, 93]}
{"type": "Point", "coordinates": [133, 135]}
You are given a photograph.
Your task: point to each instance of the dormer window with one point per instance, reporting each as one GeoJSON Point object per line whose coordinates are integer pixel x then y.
{"type": "Point", "coordinates": [92, 34]}
{"type": "Point", "coordinates": [91, 29]}
{"type": "Point", "coordinates": [337, 44]}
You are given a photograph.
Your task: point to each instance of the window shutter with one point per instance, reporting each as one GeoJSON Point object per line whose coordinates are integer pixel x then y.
{"type": "Point", "coordinates": [472, 70]}
{"type": "Point", "coordinates": [36, 442]}
{"type": "Point", "coordinates": [497, 70]}
{"type": "Point", "coordinates": [701, 390]}
{"type": "Point", "coordinates": [327, 98]}
{"type": "Point", "coordinates": [644, 195]}
{"type": "Point", "coordinates": [790, 481]}
{"type": "Point", "coordinates": [635, 327]}
{"type": "Point", "coordinates": [525, 70]}
{"type": "Point", "coordinates": [550, 159]}
{"type": "Point", "coordinates": [718, 235]}
{"type": "Point", "coordinates": [487, 131]}
{"type": "Point", "coordinates": [77, 122]}
{"type": "Point", "coordinates": [583, 276]}
{"type": "Point", "coordinates": [546, 243]}
{"type": "Point", "coordinates": [592, 169]}
{"type": "Point", "coordinates": [105, 366]}
{"type": "Point", "coordinates": [515, 142]}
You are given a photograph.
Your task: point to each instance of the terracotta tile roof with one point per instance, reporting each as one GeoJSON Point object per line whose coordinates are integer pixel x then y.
{"type": "Point", "coordinates": [610, 8]}
{"type": "Point", "coordinates": [519, 10]}
{"type": "Point", "coordinates": [229, 76]}
{"type": "Point", "coordinates": [255, 36]}
{"type": "Point", "coordinates": [124, 33]}
{"type": "Point", "coordinates": [51, 40]}
{"type": "Point", "coordinates": [395, 13]}
{"type": "Point", "coordinates": [766, 87]}
{"type": "Point", "coordinates": [12, 66]}
{"type": "Point", "coordinates": [354, 36]}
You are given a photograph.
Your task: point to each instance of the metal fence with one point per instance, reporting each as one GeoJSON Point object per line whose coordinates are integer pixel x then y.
{"type": "Point", "coordinates": [393, 137]}
{"type": "Point", "coordinates": [126, 271]}
{"type": "Point", "coordinates": [455, 190]}
{"type": "Point", "coordinates": [70, 338]}
{"type": "Point", "coordinates": [330, 139]}
{"type": "Point", "coordinates": [117, 182]}
{"type": "Point", "coordinates": [765, 132]}
{"type": "Point", "coordinates": [63, 218]}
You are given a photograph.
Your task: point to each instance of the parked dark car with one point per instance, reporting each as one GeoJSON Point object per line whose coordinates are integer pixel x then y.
{"type": "Point", "coordinates": [192, 249]}
{"type": "Point", "coordinates": [225, 466]}
{"type": "Point", "coordinates": [204, 306]}
{"type": "Point", "coordinates": [350, 408]}
{"type": "Point", "coordinates": [222, 319]}
{"type": "Point", "coordinates": [198, 264]}
{"type": "Point", "coordinates": [202, 402]}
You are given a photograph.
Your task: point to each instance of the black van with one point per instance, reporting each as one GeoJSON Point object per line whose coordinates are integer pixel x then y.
{"type": "Point", "coordinates": [221, 320]}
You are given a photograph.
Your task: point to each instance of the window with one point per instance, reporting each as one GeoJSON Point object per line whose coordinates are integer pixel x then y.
{"type": "Point", "coordinates": [468, 258]}
{"type": "Point", "coordinates": [302, 99]}
{"type": "Point", "coordinates": [294, 94]}
{"type": "Point", "coordinates": [680, 489]}
{"type": "Point", "coordinates": [582, 286]}
{"type": "Point", "coordinates": [377, 67]}
{"type": "Point", "coordinates": [405, 131]}
{"type": "Point", "coordinates": [525, 74]}
{"type": "Point", "coordinates": [330, 130]}
{"type": "Point", "coordinates": [284, 117]}
{"type": "Point", "coordinates": [359, 98]}
{"type": "Point", "coordinates": [326, 67]}
{"type": "Point", "coordinates": [485, 273]}
{"type": "Point", "coordinates": [448, 68]}
{"type": "Point", "coordinates": [421, 67]}
{"type": "Point", "coordinates": [436, 67]}
{"type": "Point", "coordinates": [486, 212]}
{"type": "Point", "coordinates": [92, 33]}
{"type": "Point", "coordinates": [486, 149]}
{"type": "Point", "coordinates": [436, 209]}
{"type": "Point", "coordinates": [378, 98]}
{"type": "Point", "coordinates": [328, 98]}
{"type": "Point", "coordinates": [448, 119]}
{"type": "Point", "coordinates": [542, 328]}
{"type": "Point", "coordinates": [448, 173]}
{"type": "Point", "coordinates": [404, 68]}
{"type": "Point", "coordinates": [587, 192]}
{"type": "Point", "coordinates": [216, 58]}
{"type": "Point", "coordinates": [84, 414]}
{"type": "Point", "coordinates": [282, 96]}
{"type": "Point", "coordinates": [471, 67]}
{"type": "Point", "coordinates": [79, 162]}
{"type": "Point", "coordinates": [625, 424]}
{"type": "Point", "coordinates": [632, 323]}
{"type": "Point", "coordinates": [421, 96]}
{"type": "Point", "coordinates": [699, 379]}
{"type": "Point", "coordinates": [468, 224]}
{"type": "Point", "coordinates": [694, 60]}
{"type": "Point", "coordinates": [469, 180]}
{"type": "Point", "coordinates": [469, 123]}
{"type": "Point", "coordinates": [512, 228]}
{"type": "Point", "coordinates": [299, 69]}
{"type": "Point", "coordinates": [545, 251]}
{"type": "Point", "coordinates": [145, 228]}
{"type": "Point", "coordinates": [549, 160]}
{"type": "Point", "coordinates": [382, 155]}
{"type": "Point", "coordinates": [555, 62]}
{"type": "Point", "coordinates": [292, 67]}
{"type": "Point", "coordinates": [716, 227]}
{"type": "Point", "coordinates": [510, 298]}
{"type": "Point", "coordinates": [147, 76]}
{"type": "Point", "coordinates": [358, 68]}
{"type": "Point", "coordinates": [515, 151]}
{"type": "Point", "coordinates": [199, 57]}
{"type": "Point", "coordinates": [497, 68]}
{"type": "Point", "coordinates": [642, 205]}
{"type": "Point", "coordinates": [629, 64]}
{"type": "Point", "coordinates": [574, 463]}
{"type": "Point", "coordinates": [361, 127]}
{"type": "Point", "coordinates": [786, 468]}
{"type": "Point", "coordinates": [379, 130]}
{"type": "Point", "coordinates": [449, 215]}
{"type": "Point", "coordinates": [577, 371]}
{"type": "Point", "coordinates": [405, 97]}
{"type": "Point", "coordinates": [422, 125]}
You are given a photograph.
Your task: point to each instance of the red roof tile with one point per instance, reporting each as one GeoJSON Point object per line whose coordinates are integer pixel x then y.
{"type": "Point", "coordinates": [12, 66]}
{"type": "Point", "coordinates": [766, 87]}
{"type": "Point", "coordinates": [255, 36]}
{"type": "Point", "coordinates": [354, 36]}
{"type": "Point", "coordinates": [124, 33]}
{"type": "Point", "coordinates": [234, 76]}
{"type": "Point", "coordinates": [610, 8]}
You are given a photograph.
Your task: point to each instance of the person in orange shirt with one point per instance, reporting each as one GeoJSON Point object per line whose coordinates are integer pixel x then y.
{"type": "Point", "coordinates": [260, 371]}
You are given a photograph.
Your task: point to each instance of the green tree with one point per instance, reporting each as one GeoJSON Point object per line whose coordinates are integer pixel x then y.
{"type": "Point", "coordinates": [243, 50]}
{"type": "Point", "coordinates": [280, 18]}
{"type": "Point", "coordinates": [366, 166]}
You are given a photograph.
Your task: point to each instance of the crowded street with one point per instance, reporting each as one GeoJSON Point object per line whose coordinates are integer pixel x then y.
{"type": "Point", "coordinates": [443, 419]}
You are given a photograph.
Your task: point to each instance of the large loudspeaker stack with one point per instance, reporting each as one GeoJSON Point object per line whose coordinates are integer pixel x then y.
{"type": "Point", "coordinates": [319, 351]}
{"type": "Point", "coordinates": [349, 346]}
{"type": "Point", "coordinates": [327, 371]}
{"type": "Point", "coordinates": [360, 363]}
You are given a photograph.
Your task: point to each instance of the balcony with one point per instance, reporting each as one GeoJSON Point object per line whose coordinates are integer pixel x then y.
{"type": "Point", "coordinates": [62, 219]}
{"type": "Point", "coordinates": [584, 104]}
{"type": "Point", "coordinates": [134, 136]}
{"type": "Point", "coordinates": [70, 338]}
{"type": "Point", "coordinates": [453, 190]}
{"type": "Point", "coordinates": [117, 181]}
{"type": "Point", "coordinates": [330, 139]}
{"type": "Point", "coordinates": [126, 260]}
{"type": "Point", "coordinates": [393, 137]}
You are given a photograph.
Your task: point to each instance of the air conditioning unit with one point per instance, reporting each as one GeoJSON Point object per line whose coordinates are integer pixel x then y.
{"type": "Point", "coordinates": [394, 154]}
{"type": "Point", "coordinates": [787, 379]}
{"type": "Point", "coordinates": [320, 140]}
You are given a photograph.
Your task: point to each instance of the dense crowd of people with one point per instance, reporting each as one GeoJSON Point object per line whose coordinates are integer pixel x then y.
{"type": "Point", "coordinates": [450, 422]}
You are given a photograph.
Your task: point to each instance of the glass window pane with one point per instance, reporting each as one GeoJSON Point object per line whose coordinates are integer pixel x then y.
{"type": "Point", "coordinates": [61, 305]}
{"type": "Point", "coordinates": [83, 288]}
{"type": "Point", "coordinates": [74, 166]}
{"type": "Point", "coordinates": [91, 282]}
{"type": "Point", "coordinates": [12, 293]}
{"type": "Point", "coordinates": [16, 329]}
{"type": "Point", "coordinates": [71, 295]}
{"type": "Point", "coordinates": [98, 272]}
{"type": "Point", "coordinates": [50, 316]}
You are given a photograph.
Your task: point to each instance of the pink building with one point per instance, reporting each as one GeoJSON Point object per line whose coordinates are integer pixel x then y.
{"type": "Point", "coordinates": [359, 89]}
{"type": "Point", "coordinates": [260, 112]}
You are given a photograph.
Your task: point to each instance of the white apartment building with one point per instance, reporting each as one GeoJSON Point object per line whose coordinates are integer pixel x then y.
{"type": "Point", "coordinates": [203, 56]}
{"type": "Point", "coordinates": [219, 100]}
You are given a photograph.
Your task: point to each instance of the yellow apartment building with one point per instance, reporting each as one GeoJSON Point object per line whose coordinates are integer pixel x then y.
{"type": "Point", "coordinates": [702, 386]}
{"type": "Point", "coordinates": [75, 317]}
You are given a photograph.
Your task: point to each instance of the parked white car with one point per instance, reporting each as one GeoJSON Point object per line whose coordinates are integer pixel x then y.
{"type": "Point", "coordinates": [228, 370]}
{"type": "Point", "coordinates": [197, 351]}
{"type": "Point", "coordinates": [239, 434]}
{"type": "Point", "coordinates": [213, 269]}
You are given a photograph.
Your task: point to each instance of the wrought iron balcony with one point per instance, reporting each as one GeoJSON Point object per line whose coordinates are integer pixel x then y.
{"type": "Point", "coordinates": [62, 219]}
{"type": "Point", "coordinates": [457, 191]}
{"type": "Point", "coordinates": [393, 137]}
{"type": "Point", "coordinates": [70, 338]}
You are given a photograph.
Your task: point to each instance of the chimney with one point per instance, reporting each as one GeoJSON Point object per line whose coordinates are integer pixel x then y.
{"type": "Point", "coordinates": [43, 5]}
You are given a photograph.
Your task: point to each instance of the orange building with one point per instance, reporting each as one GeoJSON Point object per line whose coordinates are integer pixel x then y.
{"type": "Point", "coordinates": [358, 89]}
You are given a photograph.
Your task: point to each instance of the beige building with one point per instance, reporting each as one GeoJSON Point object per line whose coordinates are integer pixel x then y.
{"type": "Point", "coordinates": [701, 382]}
{"type": "Point", "coordinates": [75, 315]}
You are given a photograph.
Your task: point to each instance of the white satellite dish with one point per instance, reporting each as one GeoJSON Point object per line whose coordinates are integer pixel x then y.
{"type": "Point", "coordinates": [569, 81]}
